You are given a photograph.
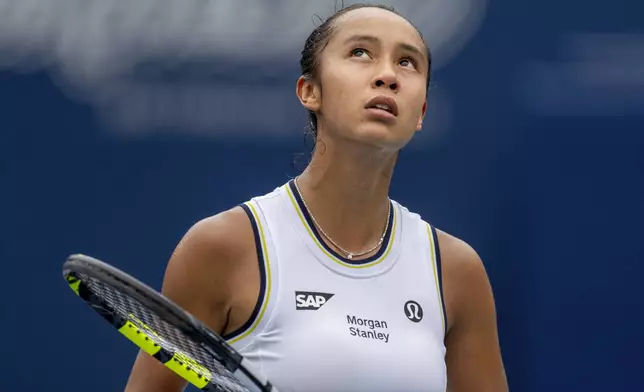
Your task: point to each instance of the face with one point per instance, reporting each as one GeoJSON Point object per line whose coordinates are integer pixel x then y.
{"type": "Point", "coordinates": [373, 76]}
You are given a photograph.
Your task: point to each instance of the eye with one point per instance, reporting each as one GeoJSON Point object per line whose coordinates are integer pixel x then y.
{"type": "Point", "coordinates": [359, 52]}
{"type": "Point", "coordinates": [408, 62]}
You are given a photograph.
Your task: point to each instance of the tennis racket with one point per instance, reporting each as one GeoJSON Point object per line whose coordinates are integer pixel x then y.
{"type": "Point", "coordinates": [162, 329]}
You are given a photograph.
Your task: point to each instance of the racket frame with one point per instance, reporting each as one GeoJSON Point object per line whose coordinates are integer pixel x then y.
{"type": "Point", "coordinates": [170, 312]}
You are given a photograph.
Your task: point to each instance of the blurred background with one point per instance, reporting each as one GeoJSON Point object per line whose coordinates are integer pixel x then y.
{"type": "Point", "coordinates": [124, 122]}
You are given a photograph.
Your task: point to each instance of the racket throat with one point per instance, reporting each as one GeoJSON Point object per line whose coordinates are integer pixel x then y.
{"type": "Point", "coordinates": [229, 360]}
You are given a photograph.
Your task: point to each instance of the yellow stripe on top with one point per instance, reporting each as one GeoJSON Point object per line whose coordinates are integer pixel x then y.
{"type": "Point", "coordinates": [329, 255]}
{"type": "Point", "coordinates": [267, 267]}
{"type": "Point", "coordinates": [432, 250]}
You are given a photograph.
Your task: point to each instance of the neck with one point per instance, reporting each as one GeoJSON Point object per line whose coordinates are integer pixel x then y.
{"type": "Point", "coordinates": [346, 189]}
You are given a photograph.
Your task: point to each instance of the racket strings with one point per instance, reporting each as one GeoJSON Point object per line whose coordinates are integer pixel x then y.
{"type": "Point", "coordinates": [163, 333]}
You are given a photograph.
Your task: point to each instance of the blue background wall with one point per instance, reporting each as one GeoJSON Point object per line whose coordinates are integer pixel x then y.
{"type": "Point", "coordinates": [535, 157]}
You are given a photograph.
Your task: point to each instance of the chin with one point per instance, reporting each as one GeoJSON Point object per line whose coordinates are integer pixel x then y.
{"type": "Point", "coordinates": [380, 135]}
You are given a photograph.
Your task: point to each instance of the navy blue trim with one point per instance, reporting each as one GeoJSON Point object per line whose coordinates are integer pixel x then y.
{"type": "Point", "coordinates": [309, 221]}
{"type": "Point", "coordinates": [439, 271]}
{"type": "Point", "coordinates": [262, 278]}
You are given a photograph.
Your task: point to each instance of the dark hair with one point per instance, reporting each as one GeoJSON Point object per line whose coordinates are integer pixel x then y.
{"type": "Point", "coordinates": [318, 40]}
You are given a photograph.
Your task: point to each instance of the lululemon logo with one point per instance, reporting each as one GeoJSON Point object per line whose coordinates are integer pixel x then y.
{"type": "Point", "coordinates": [413, 311]}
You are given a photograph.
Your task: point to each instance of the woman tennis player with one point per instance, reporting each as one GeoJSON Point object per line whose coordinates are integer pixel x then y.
{"type": "Point", "coordinates": [325, 283]}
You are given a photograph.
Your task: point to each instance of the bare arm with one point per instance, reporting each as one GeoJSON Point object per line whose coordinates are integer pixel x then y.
{"type": "Point", "coordinates": [203, 276]}
{"type": "Point", "coordinates": [474, 362]}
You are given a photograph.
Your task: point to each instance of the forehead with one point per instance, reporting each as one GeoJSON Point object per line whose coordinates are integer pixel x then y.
{"type": "Point", "coordinates": [376, 22]}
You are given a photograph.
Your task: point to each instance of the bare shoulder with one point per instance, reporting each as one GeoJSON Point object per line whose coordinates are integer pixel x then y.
{"type": "Point", "coordinates": [459, 258]}
{"type": "Point", "coordinates": [457, 250]}
{"type": "Point", "coordinates": [208, 264]}
{"type": "Point", "coordinates": [215, 240]}
{"type": "Point", "coordinates": [463, 274]}
{"type": "Point", "coordinates": [474, 360]}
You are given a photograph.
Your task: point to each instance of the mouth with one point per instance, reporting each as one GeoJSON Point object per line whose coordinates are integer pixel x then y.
{"type": "Point", "coordinates": [383, 103]}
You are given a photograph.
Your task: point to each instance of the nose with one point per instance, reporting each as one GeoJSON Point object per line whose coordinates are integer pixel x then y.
{"type": "Point", "coordinates": [386, 78]}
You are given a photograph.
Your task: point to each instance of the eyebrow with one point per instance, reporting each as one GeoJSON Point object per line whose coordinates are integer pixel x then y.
{"type": "Point", "coordinates": [376, 40]}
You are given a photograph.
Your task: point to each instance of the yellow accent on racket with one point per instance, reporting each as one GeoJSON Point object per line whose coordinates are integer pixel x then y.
{"type": "Point", "coordinates": [189, 370]}
{"type": "Point", "coordinates": [74, 283]}
{"type": "Point", "coordinates": [140, 338]}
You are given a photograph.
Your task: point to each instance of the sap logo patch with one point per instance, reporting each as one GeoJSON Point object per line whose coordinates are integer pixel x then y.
{"type": "Point", "coordinates": [306, 300]}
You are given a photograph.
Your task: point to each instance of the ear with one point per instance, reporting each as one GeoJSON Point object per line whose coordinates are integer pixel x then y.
{"type": "Point", "coordinates": [308, 93]}
{"type": "Point", "coordinates": [419, 124]}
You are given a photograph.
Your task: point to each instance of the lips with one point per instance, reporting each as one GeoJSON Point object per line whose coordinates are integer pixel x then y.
{"type": "Point", "coordinates": [382, 102]}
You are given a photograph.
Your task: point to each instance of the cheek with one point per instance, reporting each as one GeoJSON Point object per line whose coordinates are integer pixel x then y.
{"type": "Point", "coordinates": [418, 101]}
{"type": "Point", "coordinates": [341, 86]}
{"type": "Point", "coordinates": [338, 96]}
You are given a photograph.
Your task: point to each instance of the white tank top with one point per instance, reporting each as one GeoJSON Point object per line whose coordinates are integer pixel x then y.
{"type": "Point", "coordinates": [326, 323]}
